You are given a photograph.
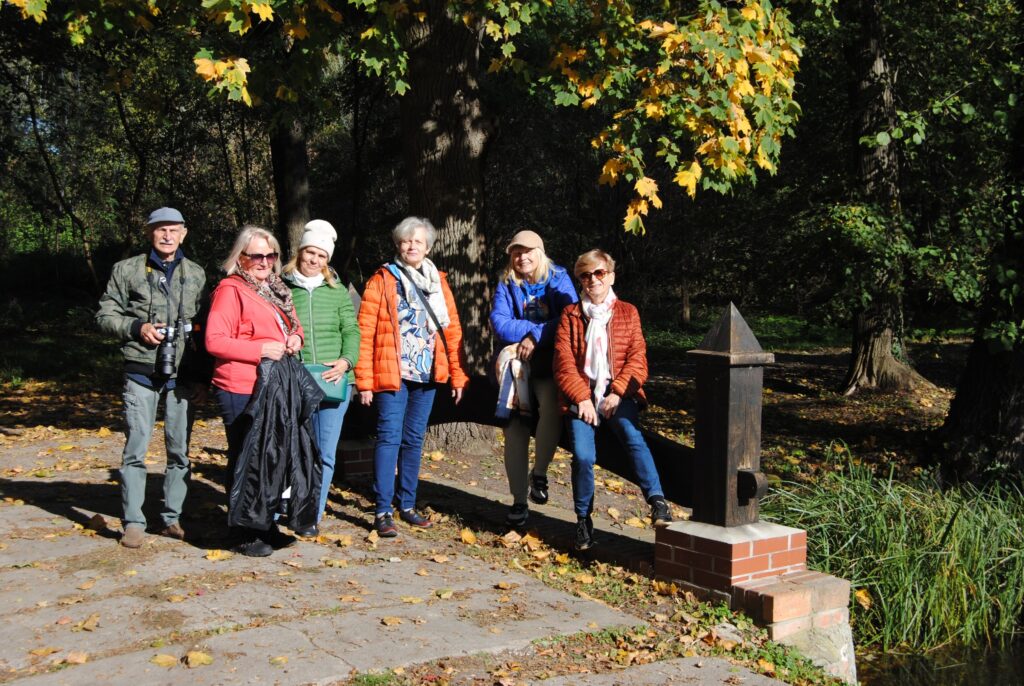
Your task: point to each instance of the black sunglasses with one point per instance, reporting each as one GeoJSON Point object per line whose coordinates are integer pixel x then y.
{"type": "Point", "coordinates": [259, 257]}
{"type": "Point", "coordinates": [598, 274]}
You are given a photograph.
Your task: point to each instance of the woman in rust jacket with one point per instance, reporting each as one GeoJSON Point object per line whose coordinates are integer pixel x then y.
{"type": "Point", "coordinates": [600, 368]}
{"type": "Point", "coordinates": [410, 341]}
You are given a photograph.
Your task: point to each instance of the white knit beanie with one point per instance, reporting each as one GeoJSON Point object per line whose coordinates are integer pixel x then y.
{"type": "Point", "coordinates": [319, 234]}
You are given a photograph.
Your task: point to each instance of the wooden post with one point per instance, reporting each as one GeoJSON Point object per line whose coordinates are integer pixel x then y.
{"type": "Point", "coordinates": [728, 483]}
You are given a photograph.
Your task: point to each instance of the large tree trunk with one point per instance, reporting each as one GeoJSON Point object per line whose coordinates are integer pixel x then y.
{"type": "Point", "coordinates": [445, 135]}
{"type": "Point", "coordinates": [291, 179]}
{"type": "Point", "coordinates": [872, 364]}
{"type": "Point", "coordinates": [984, 431]}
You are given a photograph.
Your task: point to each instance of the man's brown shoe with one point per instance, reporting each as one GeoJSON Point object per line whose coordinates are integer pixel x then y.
{"type": "Point", "coordinates": [174, 531]}
{"type": "Point", "coordinates": [133, 537]}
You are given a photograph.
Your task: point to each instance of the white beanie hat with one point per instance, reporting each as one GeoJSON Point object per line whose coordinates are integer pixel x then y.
{"type": "Point", "coordinates": [319, 234]}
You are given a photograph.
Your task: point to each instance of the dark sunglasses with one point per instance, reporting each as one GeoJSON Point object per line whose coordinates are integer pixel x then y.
{"type": "Point", "coordinates": [598, 274]}
{"type": "Point", "coordinates": [259, 257]}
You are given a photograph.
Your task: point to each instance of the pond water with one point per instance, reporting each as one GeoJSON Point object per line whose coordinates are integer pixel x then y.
{"type": "Point", "coordinates": [1001, 667]}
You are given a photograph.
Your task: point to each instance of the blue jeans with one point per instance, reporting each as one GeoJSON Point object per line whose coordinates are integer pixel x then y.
{"type": "Point", "coordinates": [627, 431]}
{"type": "Point", "coordinates": [140, 410]}
{"type": "Point", "coordinates": [401, 426]}
{"type": "Point", "coordinates": [327, 422]}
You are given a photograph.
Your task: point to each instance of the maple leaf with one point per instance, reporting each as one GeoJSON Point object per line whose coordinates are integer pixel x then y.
{"type": "Point", "coordinates": [265, 11]}
{"type": "Point", "coordinates": [164, 660]}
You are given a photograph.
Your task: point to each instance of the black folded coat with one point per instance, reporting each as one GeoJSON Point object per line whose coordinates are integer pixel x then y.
{"type": "Point", "coordinates": [279, 451]}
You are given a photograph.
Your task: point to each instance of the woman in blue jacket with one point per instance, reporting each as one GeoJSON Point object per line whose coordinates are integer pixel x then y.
{"type": "Point", "coordinates": [527, 305]}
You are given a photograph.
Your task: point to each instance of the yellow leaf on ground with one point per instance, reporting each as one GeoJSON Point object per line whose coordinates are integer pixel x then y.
{"type": "Point", "coordinates": [511, 539]}
{"type": "Point", "coordinates": [863, 597]}
{"type": "Point", "coordinates": [175, 598]}
{"type": "Point", "coordinates": [468, 537]}
{"type": "Point", "coordinates": [422, 572]}
{"type": "Point", "coordinates": [197, 658]}
{"type": "Point", "coordinates": [77, 657]}
{"type": "Point", "coordinates": [444, 593]}
{"type": "Point", "coordinates": [390, 621]}
{"type": "Point", "coordinates": [766, 667]}
{"type": "Point", "coordinates": [86, 585]}
{"type": "Point", "coordinates": [613, 513]}
{"type": "Point", "coordinates": [43, 652]}
{"type": "Point", "coordinates": [440, 559]}
{"type": "Point", "coordinates": [330, 562]}
{"type": "Point", "coordinates": [531, 541]}
{"type": "Point", "coordinates": [635, 522]}
{"type": "Point", "coordinates": [412, 600]}
{"type": "Point", "coordinates": [583, 578]}
{"type": "Point", "coordinates": [436, 456]}
{"type": "Point", "coordinates": [279, 661]}
{"type": "Point", "coordinates": [89, 623]}
{"type": "Point", "coordinates": [216, 555]}
{"type": "Point", "coordinates": [164, 660]}
{"type": "Point", "coordinates": [103, 432]}
{"type": "Point", "coordinates": [66, 447]}
{"type": "Point", "coordinates": [350, 599]}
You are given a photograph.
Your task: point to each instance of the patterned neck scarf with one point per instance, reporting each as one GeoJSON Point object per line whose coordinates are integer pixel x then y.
{"type": "Point", "coordinates": [275, 292]}
{"type": "Point", "coordinates": [596, 365]}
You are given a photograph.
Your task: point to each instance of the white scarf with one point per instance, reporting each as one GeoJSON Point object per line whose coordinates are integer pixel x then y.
{"type": "Point", "coordinates": [310, 283]}
{"type": "Point", "coordinates": [429, 281]}
{"type": "Point", "coordinates": [596, 365]}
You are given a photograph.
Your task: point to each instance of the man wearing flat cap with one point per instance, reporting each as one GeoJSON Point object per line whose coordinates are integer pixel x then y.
{"type": "Point", "coordinates": [148, 306]}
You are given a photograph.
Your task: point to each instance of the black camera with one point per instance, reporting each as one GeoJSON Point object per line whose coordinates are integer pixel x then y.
{"type": "Point", "coordinates": [167, 352]}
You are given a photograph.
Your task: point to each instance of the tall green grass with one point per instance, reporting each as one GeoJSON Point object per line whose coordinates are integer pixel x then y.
{"type": "Point", "coordinates": [929, 566]}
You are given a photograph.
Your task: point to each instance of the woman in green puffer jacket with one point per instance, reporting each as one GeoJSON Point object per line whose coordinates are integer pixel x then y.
{"type": "Point", "coordinates": [332, 336]}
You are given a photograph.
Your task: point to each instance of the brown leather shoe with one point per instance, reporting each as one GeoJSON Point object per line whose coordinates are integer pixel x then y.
{"type": "Point", "coordinates": [174, 531]}
{"type": "Point", "coordinates": [134, 536]}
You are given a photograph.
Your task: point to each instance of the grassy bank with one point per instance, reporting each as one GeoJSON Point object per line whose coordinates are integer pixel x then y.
{"type": "Point", "coordinates": [929, 567]}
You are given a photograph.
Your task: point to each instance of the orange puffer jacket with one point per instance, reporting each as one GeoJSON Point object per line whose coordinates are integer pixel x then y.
{"type": "Point", "coordinates": [379, 366]}
{"type": "Point", "coordinates": [627, 355]}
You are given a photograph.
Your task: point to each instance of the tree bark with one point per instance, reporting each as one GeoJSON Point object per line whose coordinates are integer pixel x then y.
{"type": "Point", "coordinates": [872, 364]}
{"type": "Point", "coordinates": [445, 135]}
{"type": "Point", "coordinates": [984, 431]}
{"type": "Point", "coordinates": [290, 161]}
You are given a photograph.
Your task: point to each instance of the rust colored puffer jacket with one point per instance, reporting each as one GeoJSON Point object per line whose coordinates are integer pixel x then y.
{"type": "Point", "coordinates": [379, 366]}
{"type": "Point", "coordinates": [627, 355]}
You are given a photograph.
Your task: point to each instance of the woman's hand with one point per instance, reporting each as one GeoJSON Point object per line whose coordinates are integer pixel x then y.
{"type": "Point", "coordinates": [587, 413]}
{"type": "Point", "coordinates": [293, 344]}
{"type": "Point", "coordinates": [336, 372]}
{"type": "Point", "coordinates": [525, 348]}
{"type": "Point", "coordinates": [274, 350]}
{"type": "Point", "coordinates": [457, 394]}
{"type": "Point", "coordinates": [366, 397]}
{"type": "Point", "coordinates": [610, 404]}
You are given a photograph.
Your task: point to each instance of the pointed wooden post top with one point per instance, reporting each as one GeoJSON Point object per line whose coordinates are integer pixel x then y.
{"type": "Point", "coordinates": [731, 342]}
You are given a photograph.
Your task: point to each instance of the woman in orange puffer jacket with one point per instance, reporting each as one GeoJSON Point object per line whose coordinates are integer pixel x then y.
{"type": "Point", "coordinates": [411, 341]}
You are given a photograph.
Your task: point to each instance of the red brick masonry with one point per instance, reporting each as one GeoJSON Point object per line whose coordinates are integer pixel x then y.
{"type": "Point", "coordinates": [355, 458]}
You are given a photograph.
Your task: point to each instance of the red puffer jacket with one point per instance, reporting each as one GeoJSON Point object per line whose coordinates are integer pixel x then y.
{"type": "Point", "coordinates": [627, 355]}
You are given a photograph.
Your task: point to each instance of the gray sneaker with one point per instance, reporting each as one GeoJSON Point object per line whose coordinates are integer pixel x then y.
{"type": "Point", "coordinates": [517, 515]}
{"type": "Point", "coordinates": [134, 536]}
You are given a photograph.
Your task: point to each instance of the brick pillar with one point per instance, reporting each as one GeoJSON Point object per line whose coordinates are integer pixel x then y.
{"type": "Point", "coordinates": [355, 457]}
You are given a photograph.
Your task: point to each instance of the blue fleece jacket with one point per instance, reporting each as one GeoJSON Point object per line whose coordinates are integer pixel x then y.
{"type": "Point", "coordinates": [507, 310]}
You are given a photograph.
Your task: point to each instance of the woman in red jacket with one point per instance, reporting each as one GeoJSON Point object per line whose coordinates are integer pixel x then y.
{"type": "Point", "coordinates": [600, 368]}
{"type": "Point", "coordinates": [251, 317]}
{"type": "Point", "coordinates": [410, 341]}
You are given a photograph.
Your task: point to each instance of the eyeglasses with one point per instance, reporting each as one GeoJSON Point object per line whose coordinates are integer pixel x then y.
{"type": "Point", "coordinates": [598, 274]}
{"type": "Point", "coordinates": [270, 257]}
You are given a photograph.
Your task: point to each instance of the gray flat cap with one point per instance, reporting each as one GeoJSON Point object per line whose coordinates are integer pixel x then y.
{"type": "Point", "coordinates": [165, 214]}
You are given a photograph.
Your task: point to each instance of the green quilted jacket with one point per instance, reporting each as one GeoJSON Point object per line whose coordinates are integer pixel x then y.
{"type": "Point", "coordinates": [329, 322]}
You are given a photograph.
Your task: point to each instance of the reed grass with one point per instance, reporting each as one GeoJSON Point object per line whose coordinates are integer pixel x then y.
{"type": "Point", "coordinates": [929, 566]}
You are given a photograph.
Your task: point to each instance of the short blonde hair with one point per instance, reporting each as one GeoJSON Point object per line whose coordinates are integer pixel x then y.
{"type": "Point", "coordinates": [245, 236]}
{"type": "Point", "coordinates": [593, 257]}
{"type": "Point", "coordinates": [540, 274]}
{"type": "Point", "coordinates": [293, 265]}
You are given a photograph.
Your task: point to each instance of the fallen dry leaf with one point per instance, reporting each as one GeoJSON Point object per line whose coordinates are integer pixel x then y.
{"type": "Point", "coordinates": [863, 597]}
{"type": "Point", "coordinates": [175, 598]}
{"type": "Point", "coordinates": [422, 572]}
{"type": "Point", "coordinates": [391, 621]}
{"type": "Point", "coordinates": [89, 623]}
{"type": "Point", "coordinates": [411, 599]}
{"type": "Point", "coordinates": [583, 579]}
{"type": "Point", "coordinates": [444, 593]}
{"type": "Point", "coordinates": [77, 657]}
{"type": "Point", "coordinates": [85, 586]}
{"type": "Point", "coordinates": [279, 661]}
{"type": "Point", "coordinates": [766, 667]}
{"type": "Point", "coordinates": [332, 562]}
{"type": "Point", "coordinates": [43, 652]}
{"type": "Point", "coordinates": [350, 599]}
{"type": "Point", "coordinates": [197, 658]}
{"type": "Point", "coordinates": [467, 536]}
{"type": "Point", "coordinates": [293, 563]}
{"type": "Point", "coordinates": [613, 513]}
{"type": "Point", "coordinates": [217, 555]}
{"type": "Point", "coordinates": [164, 660]}
{"type": "Point", "coordinates": [636, 522]}
{"type": "Point", "coordinates": [440, 559]}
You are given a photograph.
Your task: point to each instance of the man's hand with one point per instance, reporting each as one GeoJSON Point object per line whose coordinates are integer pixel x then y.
{"type": "Point", "coordinates": [150, 334]}
{"type": "Point", "coordinates": [610, 404]}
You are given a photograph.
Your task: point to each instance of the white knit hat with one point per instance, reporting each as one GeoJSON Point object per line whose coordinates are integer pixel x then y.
{"type": "Point", "coordinates": [319, 234]}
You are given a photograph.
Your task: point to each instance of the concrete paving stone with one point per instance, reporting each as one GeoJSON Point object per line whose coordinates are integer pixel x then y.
{"type": "Point", "coordinates": [688, 670]}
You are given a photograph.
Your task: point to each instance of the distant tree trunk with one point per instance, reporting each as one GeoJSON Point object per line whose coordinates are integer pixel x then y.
{"type": "Point", "coordinates": [685, 317]}
{"type": "Point", "coordinates": [984, 431]}
{"type": "Point", "coordinates": [291, 179]}
{"type": "Point", "coordinates": [872, 364]}
{"type": "Point", "coordinates": [445, 135]}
